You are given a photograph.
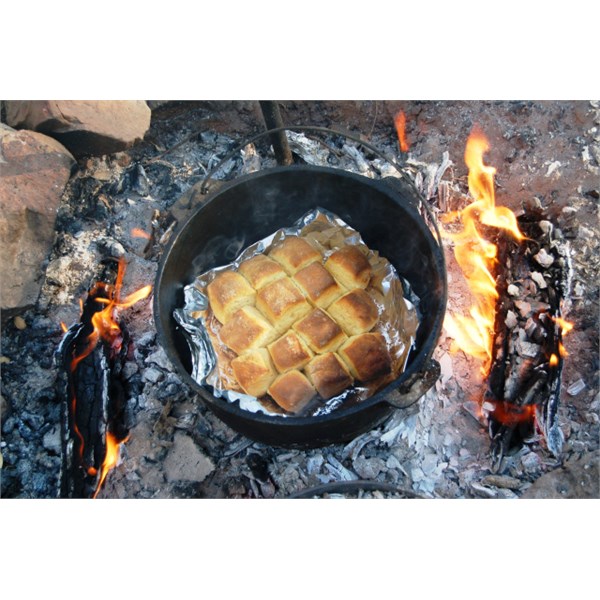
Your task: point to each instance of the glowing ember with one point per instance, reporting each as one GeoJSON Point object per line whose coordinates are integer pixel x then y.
{"type": "Point", "coordinates": [105, 327]}
{"type": "Point", "coordinates": [140, 233]}
{"type": "Point", "coordinates": [400, 123]}
{"type": "Point", "coordinates": [476, 256]}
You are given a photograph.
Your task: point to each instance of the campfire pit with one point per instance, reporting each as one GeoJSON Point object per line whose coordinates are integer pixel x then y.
{"type": "Point", "coordinates": [437, 447]}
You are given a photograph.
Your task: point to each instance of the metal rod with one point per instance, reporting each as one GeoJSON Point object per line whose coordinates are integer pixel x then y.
{"type": "Point", "coordinates": [272, 117]}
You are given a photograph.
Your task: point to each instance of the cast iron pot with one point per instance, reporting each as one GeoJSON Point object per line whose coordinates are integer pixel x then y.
{"type": "Point", "coordinates": [385, 213]}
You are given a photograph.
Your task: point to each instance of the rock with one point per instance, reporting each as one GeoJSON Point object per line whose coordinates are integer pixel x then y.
{"type": "Point", "coordinates": [577, 478]}
{"type": "Point", "coordinates": [185, 462]}
{"type": "Point", "coordinates": [85, 127]}
{"type": "Point", "coordinates": [33, 174]}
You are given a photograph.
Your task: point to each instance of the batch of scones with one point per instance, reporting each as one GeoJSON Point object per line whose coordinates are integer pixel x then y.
{"type": "Point", "coordinates": [300, 325]}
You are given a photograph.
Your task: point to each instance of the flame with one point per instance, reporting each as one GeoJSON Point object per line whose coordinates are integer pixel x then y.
{"type": "Point", "coordinates": [140, 233]}
{"type": "Point", "coordinates": [63, 327]}
{"type": "Point", "coordinates": [400, 123]}
{"type": "Point", "coordinates": [553, 362]}
{"type": "Point", "coordinates": [476, 256]}
{"type": "Point", "coordinates": [565, 326]}
{"type": "Point", "coordinates": [105, 327]}
{"type": "Point", "coordinates": [113, 451]}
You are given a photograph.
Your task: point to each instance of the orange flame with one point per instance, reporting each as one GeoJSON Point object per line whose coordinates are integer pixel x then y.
{"type": "Point", "coordinates": [113, 450]}
{"type": "Point", "coordinates": [140, 233]}
{"type": "Point", "coordinates": [63, 327]}
{"type": "Point", "coordinates": [106, 327]}
{"type": "Point", "coordinates": [565, 326]}
{"type": "Point", "coordinates": [400, 123]}
{"type": "Point", "coordinates": [476, 256]}
{"type": "Point", "coordinates": [553, 362]}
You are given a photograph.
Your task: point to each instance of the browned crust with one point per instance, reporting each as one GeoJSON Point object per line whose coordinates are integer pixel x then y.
{"type": "Point", "coordinates": [294, 253]}
{"type": "Point", "coordinates": [289, 352]}
{"type": "Point", "coordinates": [292, 391]}
{"type": "Point", "coordinates": [356, 312]}
{"type": "Point", "coordinates": [246, 329]}
{"type": "Point", "coordinates": [328, 374]}
{"type": "Point", "coordinates": [260, 270]}
{"type": "Point", "coordinates": [279, 299]}
{"type": "Point", "coordinates": [366, 356]}
{"type": "Point", "coordinates": [350, 267]}
{"type": "Point", "coordinates": [317, 284]}
{"type": "Point", "coordinates": [227, 293]}
{"type": "Point", "coordinates": [320, 331]}
{"type": "Point", "coordinates": [254, 372]}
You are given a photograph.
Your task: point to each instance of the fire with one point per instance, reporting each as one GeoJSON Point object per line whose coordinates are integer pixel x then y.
{"type": "Point", "coordinates": [140, 233]}
{"type": "Point", "coordinates": [400, 123]}
{"type": "Point", "coordinates": [106, 328]}
{"type": "Point", "coordinates": [565, 326]}
{"type": "Point", "coordinates": [553, 362]}
{"type": "Point", "coordinates": [476, 256]}
{"type": "Point", "coordinates": [113, 449]}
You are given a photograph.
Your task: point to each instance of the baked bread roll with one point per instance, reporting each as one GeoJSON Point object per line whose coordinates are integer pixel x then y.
{"type": "Point", "coordinates": [260, 270]}
{"type": "Point", "coordinates": [320, 332]}
{"type": "Point", "coordinates": [350, 267]}
{"type": "Point", "coordinates": [355, 312]}
{"type": "Point", "coordinates": [294, 253]}
{"type": "Point", "coordinates": [292, 391]}
{"type": "Point", "coordinates": [289, 352]}
{"type": "Point", "coordinates": [328, 375]}
{"type": "Point", "coordinates": [254, 372]}
{"type": "Point", "coordinates": [366, 356]}
{"type": "Point", "coordinates": [227, 293]}
{"type": "Point", "coordinates": [317, 284]}
{"type": "Point", "coordinates": [247, 329]}
{"type": "Point", "coordinates": [282, 303]}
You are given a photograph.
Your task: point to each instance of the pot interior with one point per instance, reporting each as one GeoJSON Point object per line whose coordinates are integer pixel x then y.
{"type": "Point", "coordinates": [252, 207]}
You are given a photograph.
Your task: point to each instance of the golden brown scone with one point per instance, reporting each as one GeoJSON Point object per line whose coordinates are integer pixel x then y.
{"type": "Point", "coordinates": [366, 356]}
{"type": "Point", "coordinates": [355, 312]}
{"type": "Point", "coordinates": [282, 303]}
{"type": "Point", "coordinates": [254, 371]}
{"type": "Point", "coordinates": [317, 284]}
{"type": "Point", "coordinates": [320, 331]}
{"type": "Point", "coordinates": [247, 329]}
{"type": "Point", "coordinates": [350, 267]}
{"type": "Point", "coordinates": [292, 391]}
{"type": "Point", "coordinates": [294, 253]}
{"type": "Point", "coordinates": [260, 270]}
{"type": "Point", "coordinates": [227, 293]}
{"type": "Point", "coordinates": [329, 375]}
{"type": "Point", "coordinates": [289, 352]}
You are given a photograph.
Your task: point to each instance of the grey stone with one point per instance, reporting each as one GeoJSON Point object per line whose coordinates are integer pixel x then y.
{"type": "Point", "coordinates": [152, 375]}
{"type": "Point", "coordinates": [185, 461]}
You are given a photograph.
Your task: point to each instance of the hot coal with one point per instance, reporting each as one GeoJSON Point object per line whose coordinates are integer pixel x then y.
{"type": "Point", "coordinates": [525, 376]}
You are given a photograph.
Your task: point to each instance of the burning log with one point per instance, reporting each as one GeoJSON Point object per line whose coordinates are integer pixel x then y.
{"type": "Point", "coordinates": [514, 269]}
{"type": "Point", "coordinates": [524, 380]}
{"type": "Point", "coordinates": [92, 354]}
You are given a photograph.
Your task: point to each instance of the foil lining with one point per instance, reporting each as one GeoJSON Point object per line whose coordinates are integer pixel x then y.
{"type": "Point", "coordinates": [395, 300]}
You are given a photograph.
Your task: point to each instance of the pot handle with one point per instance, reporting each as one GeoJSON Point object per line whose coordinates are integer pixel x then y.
{"type": "Point", "coordinates": [415, 386]}
{"type": "Point", "coordinates": [204, 188]}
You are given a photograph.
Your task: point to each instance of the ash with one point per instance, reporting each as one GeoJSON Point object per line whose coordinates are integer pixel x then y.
{"type": "Point", "coordinates": [544, 152]}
